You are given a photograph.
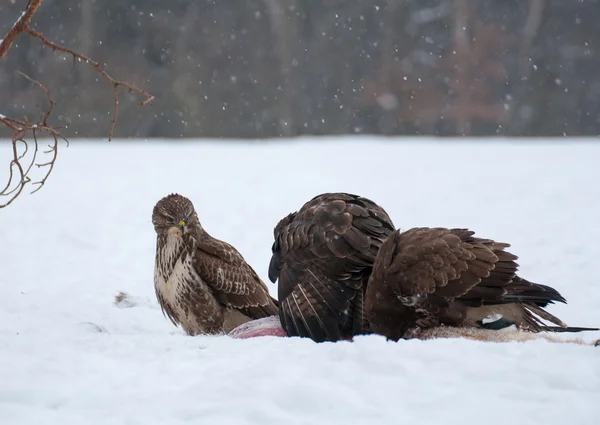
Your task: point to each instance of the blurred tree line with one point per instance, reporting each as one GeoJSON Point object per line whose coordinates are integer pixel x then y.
{"type": "Point", "coordinates": [267, 68]}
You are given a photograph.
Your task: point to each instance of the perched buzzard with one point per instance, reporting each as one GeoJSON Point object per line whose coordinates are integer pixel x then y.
{"type": "Point", "coordinates": [426, 277]}
{"type": "Point", "coordinates": [322, 256]}
{"type": "Point", "coordinates": [202, 283]}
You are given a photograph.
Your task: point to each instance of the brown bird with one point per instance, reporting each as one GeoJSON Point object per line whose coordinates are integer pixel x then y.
{"type": "Point", "coordinates": [322, 257]}
{"type": "Point", "coordinates": [202, 283]}
{"type": "Point", "coordinates": [426, 277]}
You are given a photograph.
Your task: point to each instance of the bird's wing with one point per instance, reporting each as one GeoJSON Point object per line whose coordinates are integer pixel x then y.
{"type": "Point", "coordinates": [232, 279]}
{"type": "Point", "coordinates": [446, 263]}
{"type": "Point", "coordinates": [321, 256]}
{"type": "Point", "coordinates": [434, 267]}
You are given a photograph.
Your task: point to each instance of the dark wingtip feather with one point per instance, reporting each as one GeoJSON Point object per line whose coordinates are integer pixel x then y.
{"type": "Point", "coordinates": [525, 291]}
{"type": "Point", "coordinates": [553, 294]}
{"type": "Point", "coordinates": [559, 329]}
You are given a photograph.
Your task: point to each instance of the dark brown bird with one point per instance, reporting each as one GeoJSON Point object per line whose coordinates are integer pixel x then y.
{"type": "Point", "coordinates": [426, 277]}
{"type": "Point", "coordinates": [322, 257]}
{"type": "Point", "coordinates": [202, 283]}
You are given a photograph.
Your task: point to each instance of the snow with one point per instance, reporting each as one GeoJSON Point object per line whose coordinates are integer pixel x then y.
{"type": "Point", "coordinates": [69, 355]}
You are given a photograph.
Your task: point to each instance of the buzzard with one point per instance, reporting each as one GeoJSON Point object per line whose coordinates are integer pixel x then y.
{"type": "Point", "coordinates": [202, 283]}
{"type": "Point", "coordinates": [426, 277]}
{"type": "Point", "coordinates": [322, 256]}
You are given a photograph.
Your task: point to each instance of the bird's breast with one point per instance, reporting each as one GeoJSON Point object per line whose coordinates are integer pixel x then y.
{"type": "Point", "coordinates": [174, 273]}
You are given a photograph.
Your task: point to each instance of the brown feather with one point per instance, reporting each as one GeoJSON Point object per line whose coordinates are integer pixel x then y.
{"type": "Point", "coordinates": [322, 270]}
{"type": "Point", "coordinates": [426, 277]}
{"type": "Point", "coordinates": [202, 283]}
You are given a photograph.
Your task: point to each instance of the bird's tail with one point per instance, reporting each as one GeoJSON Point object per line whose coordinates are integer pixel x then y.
{"type": "Point", "coordinates": [566, 329]}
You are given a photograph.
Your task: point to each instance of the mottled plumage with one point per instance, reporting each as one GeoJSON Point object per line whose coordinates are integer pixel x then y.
{"type": "Point", "coordinates": [322, 257]}
{"type": "Point", "coordinates": [202, 283]}
{"type": "Point", "coordinates": [426, 277]}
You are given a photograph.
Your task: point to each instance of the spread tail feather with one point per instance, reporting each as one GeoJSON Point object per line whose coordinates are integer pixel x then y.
{"type": "Point", "coordinates": [538, 311]}
{"type": "Point", "coordinates": [562, 326]}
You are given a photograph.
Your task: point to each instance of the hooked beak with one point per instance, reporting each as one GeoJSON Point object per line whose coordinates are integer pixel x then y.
{"type": "Point", "coordinates": [181, 225]}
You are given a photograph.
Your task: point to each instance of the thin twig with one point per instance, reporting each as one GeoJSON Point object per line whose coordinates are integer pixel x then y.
{"type": "Point", "coordinates": [116, 83]}
{"type": "Point", "coordinates": [21, 128]}
{"type": "Point", "coordinates": [35, 151]}
{"type": "Point", "coordinates": [21, 185]}
{"type": "Point", "coordinates": [49, 163]}
{"type": "Point", "coordinates": [46, 92]}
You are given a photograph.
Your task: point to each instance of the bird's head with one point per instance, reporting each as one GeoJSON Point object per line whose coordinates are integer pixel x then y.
{"type": "Point", "coordinates": [174, 215]}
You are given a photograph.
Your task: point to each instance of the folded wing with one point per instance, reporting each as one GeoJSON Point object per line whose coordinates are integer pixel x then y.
{"type": "Point", "coordinates": [433, 276]}
{"type": "Point", "coordinates": [233, 281]}
{"type": "Point", "coordinates": [322, 258]}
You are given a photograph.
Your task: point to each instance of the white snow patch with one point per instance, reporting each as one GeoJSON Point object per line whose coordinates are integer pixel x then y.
{"type": "Point", "coordinates": [491, 318]}
{"type": "Point", "coordinates": [70, 356]}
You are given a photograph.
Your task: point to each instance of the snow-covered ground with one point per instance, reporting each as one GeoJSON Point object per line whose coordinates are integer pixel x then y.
{"type": "Point", "coordinates": [68, 355]}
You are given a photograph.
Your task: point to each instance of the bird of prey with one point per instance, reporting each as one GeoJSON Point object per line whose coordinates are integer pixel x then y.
{"type": "Point", "coordinates": [202, 283]}
{"type": "Point", "coordinates": [428, 277]}
{"type": "Point", "coordinates": [322, 256]}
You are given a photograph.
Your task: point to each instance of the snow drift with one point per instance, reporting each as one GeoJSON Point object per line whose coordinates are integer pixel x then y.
{"type": "Point", "coordinates": [70, 355]}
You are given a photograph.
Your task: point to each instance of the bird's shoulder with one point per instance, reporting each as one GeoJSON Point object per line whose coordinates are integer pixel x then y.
{"type": "Point", "coordinates": [335, 225]}
{"type": "Point", "coordinates": [447, 262]}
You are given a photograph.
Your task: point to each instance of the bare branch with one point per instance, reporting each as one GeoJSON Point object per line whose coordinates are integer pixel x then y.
{"type": "Point", "coordinates": [19, 26]}
{"type": "Point", "coordinates": [116, 83]}
{"type": "Point", "coordinates": [19, 188]}
{"type": "Point", "coordinates": [49, 164]}
{"type": "Point", "coordinates": [46, 92]}
{"type": "Point", "coordinates": [35, 151]}
{"type": "Point", "coordinates": [21, 128]}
